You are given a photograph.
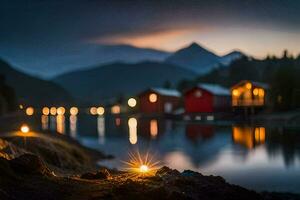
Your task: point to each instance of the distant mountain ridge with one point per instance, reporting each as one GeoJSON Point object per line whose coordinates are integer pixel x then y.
{"type": "Point", "coordinates": [119, 79]}
{"type": "Point", "coordinates": [198, 59]}
{"type": "Point", "coordinates": [193, 57]}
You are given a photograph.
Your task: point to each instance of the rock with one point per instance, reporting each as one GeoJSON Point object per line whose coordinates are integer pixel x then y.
{"type": "Point", "coordinates": [101, 174]}
{"type": "Point", "coordinates": [165, 171]}
{"type": "Point", "coordinates": [30, 164]}
{"type": "Point", "coordinates": [190, 173]}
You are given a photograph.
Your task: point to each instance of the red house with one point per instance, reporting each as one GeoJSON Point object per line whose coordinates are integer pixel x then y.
{"type": "Point", "coordinates": [207, 98]}
{"type": "Point", "coordinates": [159, 100]}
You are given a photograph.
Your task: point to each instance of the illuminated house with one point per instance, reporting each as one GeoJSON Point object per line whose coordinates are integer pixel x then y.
{"type": "Point", "coordinates": [159, 100]}
{"type": "Point", "coordinates": [207, 98]}
{"type": "Point", "coordinates": [249, 94]}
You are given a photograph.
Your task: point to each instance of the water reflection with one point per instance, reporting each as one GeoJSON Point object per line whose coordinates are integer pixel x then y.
{"type": "Point", "coordinates": [60, 124]}
{"type": "Point", "coordinates": [52, 123]}
{"type": "Point", "coordinates": [153, 128]}
{"type": "Point", "coordinates": [254, 156]}
{"type": "Point", "coordinates": [248, 136]}
{"type": "Point", "coordinates": [132, 127]}
{"type": "Point", "coordinates": [73, 126]}
{"type": "Point", "coordinates": [45, 122]}
{"type": "Point", "coordinates": [101, 129]}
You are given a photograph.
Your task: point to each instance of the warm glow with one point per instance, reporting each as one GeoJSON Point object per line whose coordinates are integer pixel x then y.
{"type": "Point", "coordinates": [153, 97]}
{"type": "Point", "coordinates": [131, 102]}
{"type": "Point", "coordinates": [153, 128]}
{"type": "Point", "coordinates": [29, 111]}
{"type": "Point", "coordinates": [144, 169]}
{"type": "Point", "coordinates": [144, 165]}
{"type": "Point", "coordinates": [93, 111]}
{"type": "Point", "coordinates": [46, 111]}
{"type": "Point", "coordinates": [132, 125]}
{"type": "Point", "coordinates": [235, 92]}
{"type": "Point", "coordinates": [116, 109]}
{"type": "Point", "coordinates": [53, 111]}
{"type": "Point", "coordinates": [60, 123]}
{"type": "Point", "coordinates": [255, 91]}
{"type": "Point", "coordinates": [261, 93]}
{"type": "Point", "coordinates": [248, 86]}
{"type": "Point", "coordinates": [24, 129]}
{"type": "Point", "coordinates": [21, 106]}
{"type": "Point", "coordinates": [74, 111]}
{"type": "Point", "coordinates": [61, 111]}
{"type": "Point", "coordinates": [100, 110]}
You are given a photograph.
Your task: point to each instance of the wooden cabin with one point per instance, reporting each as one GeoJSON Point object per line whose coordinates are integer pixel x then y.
{"type": "Point", "coordinates": [207, 98]}
{"type": "Point", "coordinates": [159, 100]}
{"type": "Point", "coordinates": [249, 94]}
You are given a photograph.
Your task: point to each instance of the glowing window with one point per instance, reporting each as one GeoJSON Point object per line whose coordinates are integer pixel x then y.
{"type": "Point", "coordinates": [235, 92]}
{"type": "Point", "coordinates": [255, 91]}
{"type": "Point", "coordinates": [198, 94]}
{"type": "Point", "coordinates": [248, 86]}
{"type": "Point", "coordinates": [153, 98]}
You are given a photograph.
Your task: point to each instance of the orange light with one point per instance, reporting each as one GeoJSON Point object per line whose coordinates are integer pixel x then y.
{"type": "Point", "coordinates": [46, 111]}
{"type": "Point", "coordinates": [24, 129]}
{"type": "Point", "coordinates": [235, 92]}
{"type": "Point", "coordinates": [248, 86]}
{"type": "Point", "coordinates": [153, 128]}
{"type": "Point", "coordinates": [74, 111]}
{"type": "Point", "coordinates": [61, 111]}
{"type": "Point", "coordinates": [116, 109]}
{"type": "Point", "coordinates": [29, 111]}
{"type": "Point", "coordinates": [261, 92]}
{"type": "Point", "coordinates": [93, 111]}
{"type": "Point", "coordinates": [100, 110]}
{"type": "Point", "coordinates": [152, 97]}
{"type": "Point", "coordinates": [255, 91]}
{"type": "Point", "coordinates": [144, 168]}
{"type": "Point", "coordinates": [131, 102]}
{"type": "Point", "coordinates": [53, 111]}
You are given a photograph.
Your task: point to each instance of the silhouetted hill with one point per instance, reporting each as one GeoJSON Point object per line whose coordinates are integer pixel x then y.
{"type": "Point", "coordinates": [200, 60]}
{"type": "Point", "coordinates": [31, 90]}
{"type": "Point", "coordinates": [117, 79]}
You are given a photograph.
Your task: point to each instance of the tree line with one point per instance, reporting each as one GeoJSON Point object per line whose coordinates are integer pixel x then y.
{"type": "Point", "coordinates": [281, 73]}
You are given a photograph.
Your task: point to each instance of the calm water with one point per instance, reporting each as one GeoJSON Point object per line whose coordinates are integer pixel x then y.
{"type": "Point", "coordinates": [256, 157]}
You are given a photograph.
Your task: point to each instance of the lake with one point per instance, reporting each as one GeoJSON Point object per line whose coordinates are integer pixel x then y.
{"type": "Point", "coordinates": [254, 156]}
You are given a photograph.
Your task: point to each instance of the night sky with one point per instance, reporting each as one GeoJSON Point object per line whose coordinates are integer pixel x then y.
{"type": "Point", "coordinates": [44, 28]}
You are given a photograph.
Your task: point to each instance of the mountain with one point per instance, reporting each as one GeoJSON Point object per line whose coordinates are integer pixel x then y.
{"type": "Point", "coordinates": [114, 80]}
{"type": "Point", "coordinates": [198, 59]}
{"type": "Point", "coordinates": [50, 63]}
{"type": "Point", "coordinates": [228, 58]}
{"type": "Point", "coordinates": [31, 90]}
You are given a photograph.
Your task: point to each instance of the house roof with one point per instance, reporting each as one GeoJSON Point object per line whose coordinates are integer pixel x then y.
{"type": "Point", "coordinates": [166, 92]}
{"type": "Point", "coordinates": [254, 83]}
{"type": "Point", "coordinates": [215, 89]}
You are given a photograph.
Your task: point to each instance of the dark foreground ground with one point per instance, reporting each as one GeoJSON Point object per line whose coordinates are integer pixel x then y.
{"type": "Point", "coordinates": [50, 166]}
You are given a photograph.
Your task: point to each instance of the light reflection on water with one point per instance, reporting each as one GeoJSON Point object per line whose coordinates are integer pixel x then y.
{"type": "Point", "coordinates": [256, 157]}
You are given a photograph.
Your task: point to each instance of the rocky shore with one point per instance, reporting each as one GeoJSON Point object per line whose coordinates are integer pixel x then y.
{"type": "Point", "coordinates": [49, 166]}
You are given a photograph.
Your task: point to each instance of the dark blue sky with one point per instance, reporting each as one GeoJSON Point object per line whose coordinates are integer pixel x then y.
{"type": "Point", "coordinates": [47, 27]}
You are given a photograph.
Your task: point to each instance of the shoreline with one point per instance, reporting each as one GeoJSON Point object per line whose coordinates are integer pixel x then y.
{"type": "Point", "coordinates": [61, 176]}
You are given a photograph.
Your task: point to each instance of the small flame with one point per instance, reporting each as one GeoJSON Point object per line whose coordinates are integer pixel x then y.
{"type": "Point", "coordinates": [141, 165]}
{"type": "Point", "coordinates": [24, 129]}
